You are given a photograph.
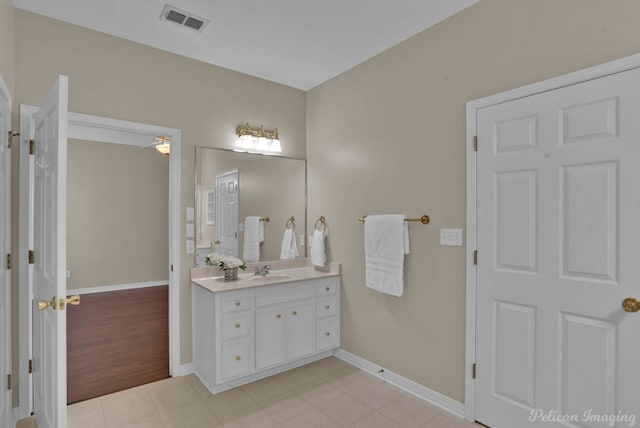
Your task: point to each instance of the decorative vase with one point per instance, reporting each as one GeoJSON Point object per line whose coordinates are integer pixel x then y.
{"type": "Point", "coordinates": [231, 274]}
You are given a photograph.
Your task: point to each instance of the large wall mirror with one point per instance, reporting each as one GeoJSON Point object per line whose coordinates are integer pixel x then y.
{"type": "Point", "coordinates": [231, 186]}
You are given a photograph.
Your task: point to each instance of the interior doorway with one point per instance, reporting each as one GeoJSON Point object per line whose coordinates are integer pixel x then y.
{"type": "Point", "coordinates": [93, 128]}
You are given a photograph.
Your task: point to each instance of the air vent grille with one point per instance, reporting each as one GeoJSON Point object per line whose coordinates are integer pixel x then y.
{"type": "Point", "coordinates": [185, 19]}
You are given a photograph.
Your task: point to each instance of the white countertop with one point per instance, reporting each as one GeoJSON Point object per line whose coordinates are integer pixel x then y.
{"type": "Point", "coordinates": [282, 272]}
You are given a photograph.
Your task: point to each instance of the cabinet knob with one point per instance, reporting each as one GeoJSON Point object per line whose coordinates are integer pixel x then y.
{"type": "Point", "coordinates": [279, 316]}
{"type": "Point", "coordinates": [327, 334]}
{"type": "Point", "coordinates": [237, 325]}
{"type": "Point", "coordinates": [294, 313]}
{"type": "Point", "coordinates": [327, 307]}
{"type": "Point", "coordinates": [237, 303]}
{"type": "Point", "coordinates": [327, 289]}
{"type": "Point", "coordinates": [238, 357]}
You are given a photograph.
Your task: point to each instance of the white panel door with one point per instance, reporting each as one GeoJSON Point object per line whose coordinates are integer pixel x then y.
{"type": "Point", "coordinates": [227, 212]}
{"type": "Point", "coordinates": [5, 250]}
{"type": "Point", "coordinates": [49, 267]}
{"type": "Point", "coordinates": [558, 233]}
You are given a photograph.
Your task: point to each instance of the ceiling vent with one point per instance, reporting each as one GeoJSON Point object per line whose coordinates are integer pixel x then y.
{"type": "Point", "coordinates": [185, 19]}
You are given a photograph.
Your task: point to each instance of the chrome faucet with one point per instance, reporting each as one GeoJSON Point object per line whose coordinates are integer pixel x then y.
{"type": "Point", "coordinates": [262, 270]}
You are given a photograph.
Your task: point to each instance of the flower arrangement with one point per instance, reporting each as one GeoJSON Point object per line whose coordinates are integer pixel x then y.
{"type": "Point", "coordinates": [225, 262]}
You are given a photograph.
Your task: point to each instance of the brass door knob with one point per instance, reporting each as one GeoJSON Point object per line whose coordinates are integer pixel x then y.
{"type": "Point", "coordinates": [631, 305]}
{"type": "Point", "coordinates": [73, 300]}
{"type": "Point", "coordinates": [44, 304]}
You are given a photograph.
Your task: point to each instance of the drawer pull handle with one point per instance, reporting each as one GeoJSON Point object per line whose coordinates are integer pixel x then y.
{"type": "Point", "coordinates": [327, 289]}
{"type": "Point", "coordinates": [327, 307]}
{"type": "Point", "coordinates": [327, 334]}
{"type": "Point", "coordinates": [238, 357]}
{"type": "Point", "coordinates": [237, 303]}
{"type": "Point", "coordinates": [279, 316]}
{"type": "Point", "coordinates": [238, 325]}
{"type": "Point", "coordinates": [294, 313]}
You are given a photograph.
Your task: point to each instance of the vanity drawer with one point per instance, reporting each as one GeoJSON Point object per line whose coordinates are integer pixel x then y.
{"type": "Point", "coordinates": [236, 302]}
{"type": "Point", "coordinates": [237, 358]}
{"type": "Point", "coordinates": [237, 325]}
{"type": "Point", "coordinates": [326, 306]}
{"type": "Point", "coordinates": [327, 334]}
{"type": "Point", "coordinates": [327, 286]}
{"type": "Point", "coordinates": [282, 294]}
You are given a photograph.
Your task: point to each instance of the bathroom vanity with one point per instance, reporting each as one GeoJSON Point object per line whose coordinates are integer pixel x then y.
{"type": "Point", "coordinates": [257, 326]}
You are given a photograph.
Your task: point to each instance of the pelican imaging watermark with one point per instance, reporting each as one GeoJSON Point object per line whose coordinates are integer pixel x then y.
{"type": "Point", "coordinates": [587, 416]}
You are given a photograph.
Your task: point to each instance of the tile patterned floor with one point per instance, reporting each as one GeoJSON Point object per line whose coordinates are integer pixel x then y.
{"type": "Point", "coordinates": [327, 393]}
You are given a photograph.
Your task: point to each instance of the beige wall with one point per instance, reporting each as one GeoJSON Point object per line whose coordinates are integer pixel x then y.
{"type": "Point", "coordinates": [7, 42]}
{"type": "Point", "coordinates": [389, 137]}
{"type": "Point", "coordinates": [116, 78]}
{"type": "Point", "coordinates": [117, 214]}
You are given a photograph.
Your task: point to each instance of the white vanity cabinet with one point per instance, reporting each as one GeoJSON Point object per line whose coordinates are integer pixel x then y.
{"type": "Point", "coordinates": [243, 335]}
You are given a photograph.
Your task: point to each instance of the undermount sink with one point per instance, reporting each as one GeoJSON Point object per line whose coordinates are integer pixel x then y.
{"type": "Point", "coordinates": [270, 277]}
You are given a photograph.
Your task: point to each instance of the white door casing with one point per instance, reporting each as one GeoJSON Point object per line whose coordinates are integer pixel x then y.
{"type": "Point", "coordinates": [227, 212]}
{"type": "Point", "coordinates": [49, 267]}
{"type": "Point", "coordinates": [556, 207]}
{"type": "Point", "coordinates": [5, 250]}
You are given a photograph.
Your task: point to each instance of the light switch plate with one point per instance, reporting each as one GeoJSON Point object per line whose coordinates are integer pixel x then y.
{"type": "Point", "coordinates": [191, 247]}
{"type": "Point", "coordinates": [190, 230]}
{"type": "Point", "coordinates": [301, 240]}
{"type": "Point", "coordinates": [190, 214]}
{"type": "Point", "coordinates": [451, 237]}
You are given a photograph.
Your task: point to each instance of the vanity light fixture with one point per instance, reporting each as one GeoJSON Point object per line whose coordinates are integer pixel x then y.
{"type": "Point", "coordinates": [257, 140]}
{"type": "Point", "coordinates": [163, 145]}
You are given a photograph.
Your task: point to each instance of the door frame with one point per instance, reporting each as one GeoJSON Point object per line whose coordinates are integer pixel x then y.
{"type": "Point", "coordinates": [598, 71]}
{"type": "Point", "coordinates": [6, 289]}
{"type": "Point", "coordinates": [88, 127]}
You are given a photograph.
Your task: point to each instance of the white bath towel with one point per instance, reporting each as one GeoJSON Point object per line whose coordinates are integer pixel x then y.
{"type": "Point", "coordinates": [318, 256]}
{"type": "Point", "coordinates": [386, 241]}
{"type": "Point", "coordinates": [289, 250]}
{"type": "Point", "coordinates": [253, 236]}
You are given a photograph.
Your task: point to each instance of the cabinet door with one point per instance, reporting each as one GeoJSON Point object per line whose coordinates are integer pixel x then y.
{"type": "Point", "coordinates": [300, 329]}
{"type": "Point", "coordinates": [270, 336]}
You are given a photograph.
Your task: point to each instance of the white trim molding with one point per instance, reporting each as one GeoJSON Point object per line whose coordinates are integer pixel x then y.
{"type": "Point", "coordinates": [117, 287]}
{"type": "Point", "coordinates": [613, 67]}
{"type": "Point", "coordinates": [450, 405]}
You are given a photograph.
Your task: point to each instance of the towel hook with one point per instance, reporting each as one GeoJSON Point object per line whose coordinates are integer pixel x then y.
{"type": "Point", "coordinates": [322, 221]}
{"type": "Point", "coordinates": [291, 221]}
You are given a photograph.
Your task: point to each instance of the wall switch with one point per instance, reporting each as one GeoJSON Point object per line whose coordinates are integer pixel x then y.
{"type": "Point", "coordinates": [301, 240]}
{"type": "Point", "coordinates": [190, 230]}
{"type": "Point", "coordinates": [191, 216]}
{"type": "Point", "coordinates": [191, 247]}
{"type": "Point", "coordinates": [451, 237]}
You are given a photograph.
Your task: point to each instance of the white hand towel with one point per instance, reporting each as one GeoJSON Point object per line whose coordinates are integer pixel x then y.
{"type": "Point", "coordinates": [318, 256]}
{"type": "Point", "coordinates": [253, 236]}
{"type": "Point", "coordinates": [289, 249]}
{"type": "Point", "coordinates": [386, 241]}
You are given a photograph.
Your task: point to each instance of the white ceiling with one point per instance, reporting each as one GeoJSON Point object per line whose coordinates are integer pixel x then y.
{"type": "Point", "coordinates": [299, 43]}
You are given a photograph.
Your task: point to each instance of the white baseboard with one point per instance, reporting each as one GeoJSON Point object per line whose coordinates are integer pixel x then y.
{"type": "Point", "coordinates": [184, 370]}
{"type": "Point", "coordinates": [118, 287]}
{"type": "Point", "coordinates": [450, 405]}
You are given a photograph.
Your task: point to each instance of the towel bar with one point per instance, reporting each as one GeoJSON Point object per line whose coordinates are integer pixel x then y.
{"type": "Point", "coordinates": [424, 219]}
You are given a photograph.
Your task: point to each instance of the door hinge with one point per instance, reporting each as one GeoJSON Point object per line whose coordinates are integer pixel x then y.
{"type": "Point", "coordinates": [31, 257]}
{"type": "Point", "coordinates": [9, 381]}
{"type": "Point", "coordinates": [475, 143]}
{"type": "Point", "coordinates": [475, 257]}
{"type": "Point", "coordinates": [473, 371]}
{"type": "Point", "coordinates": [11, 134]}
{"type": "Point", "coordinates": [171, 268]}
{"type": "Point", "coordinates": [30, 366]}
{"type": "Point", "coordinates": [8, 261]}
{"type": "Point", "coordinates": [32, 147]}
